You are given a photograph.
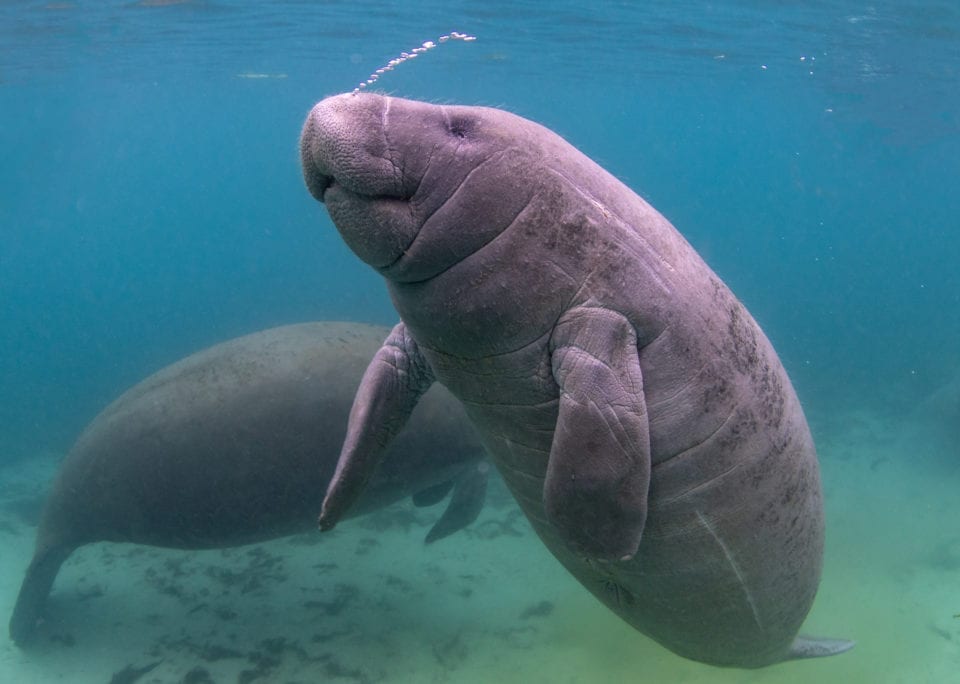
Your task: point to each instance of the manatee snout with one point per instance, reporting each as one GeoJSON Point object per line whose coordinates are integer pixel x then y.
{"type": "Point", "coordinates": [342, 144]}
{"type": "Point", "coordinates": [353, 161]}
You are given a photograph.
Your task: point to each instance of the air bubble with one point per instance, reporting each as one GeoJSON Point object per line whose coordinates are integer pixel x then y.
{"type": "Point", "coordinates": [404, 56]}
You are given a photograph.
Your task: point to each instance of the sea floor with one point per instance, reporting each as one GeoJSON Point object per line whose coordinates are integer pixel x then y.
{"type": "Point", "coordinates": [371, 603]}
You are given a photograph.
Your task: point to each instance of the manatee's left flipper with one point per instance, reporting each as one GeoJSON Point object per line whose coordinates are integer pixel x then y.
{"type": "Point", "coordinates": [433, 495]}
{"type": "Point", "coordinates": [469, 495]}
{"type": "Point", "coordinates": [391, 386]}
{"type": "Point", "coordinates": [818, 647]}
{"type": "Point", "coordinates": [598, 475]}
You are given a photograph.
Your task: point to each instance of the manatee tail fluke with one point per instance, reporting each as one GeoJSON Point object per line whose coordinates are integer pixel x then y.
{"type": "Point", "coordinates": [28, 612]}
{"type": "Point", "coordinates": [818, 647]}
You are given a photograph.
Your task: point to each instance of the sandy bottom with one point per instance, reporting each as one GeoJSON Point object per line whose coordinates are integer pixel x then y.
{"type": "Point", "coordinates": [371, 603]}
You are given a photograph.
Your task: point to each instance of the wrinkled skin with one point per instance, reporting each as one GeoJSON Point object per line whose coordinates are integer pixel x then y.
{"type": "Point", "coordinates": [235, 445]}
{"type": "Point", "coordinates": [634, 407]}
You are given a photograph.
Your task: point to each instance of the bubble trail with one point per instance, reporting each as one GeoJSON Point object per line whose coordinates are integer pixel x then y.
{"type": "Point", "coordinates": [404, 56]}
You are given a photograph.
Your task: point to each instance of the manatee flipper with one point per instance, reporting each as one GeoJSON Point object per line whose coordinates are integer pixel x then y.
{"type": "Point", "coordinates": [469, 495]}
{"type": "Point", "coordinates": [598, 475]}
{"type": "Point", "coordinates": [393, 383]}
{"type": "Point", "coordinates": [818, 647]}
{"type": "Point", "coordinates": [32, 600]}
{"type": "Point", "coordinates": [433, 495]}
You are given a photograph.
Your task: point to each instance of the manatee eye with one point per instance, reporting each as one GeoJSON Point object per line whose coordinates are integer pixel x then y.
{"type": "Point", "coordinates": [459, 127]}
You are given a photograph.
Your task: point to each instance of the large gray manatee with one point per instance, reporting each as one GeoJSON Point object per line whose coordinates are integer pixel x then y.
{"type": "Point", "coordinates": [236, 444]}
{"type": "Point", "coordinates": [635, 409]}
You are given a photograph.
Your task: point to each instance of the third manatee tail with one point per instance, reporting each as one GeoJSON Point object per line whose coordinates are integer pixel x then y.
{"type": "Point", "coordinates": [466, 502]}
{"type": "Point", "coordinates": [32, 601]}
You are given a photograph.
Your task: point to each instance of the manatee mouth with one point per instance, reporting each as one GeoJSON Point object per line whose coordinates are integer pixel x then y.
{"type": "Point", "coordinates": [379, 228]}
{"type": "Point", "coordinates": [318, 183]}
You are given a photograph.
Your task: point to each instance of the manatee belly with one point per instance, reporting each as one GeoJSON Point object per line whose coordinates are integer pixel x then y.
{"type": "Point", "coordinates": [729, 561]}
{"type": "Point", "coordinates": [718, 578]}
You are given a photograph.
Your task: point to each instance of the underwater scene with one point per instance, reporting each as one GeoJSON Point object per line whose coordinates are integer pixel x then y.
{"type": "Point", "coordinates": [676, 392]}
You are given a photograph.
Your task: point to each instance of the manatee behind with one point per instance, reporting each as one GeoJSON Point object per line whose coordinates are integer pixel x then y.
{"type": "Point", "coordinates": [235, 445]}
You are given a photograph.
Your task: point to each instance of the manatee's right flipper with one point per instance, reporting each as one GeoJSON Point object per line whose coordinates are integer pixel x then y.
{"type": "Point", "coordinates": [818, 647]}
{"type": "Point", "coordinates": [469, 495]}
{"type": "Point", "coordinates": [28, 613]}
{"type": "Point", "coordinates": [598, 475]}
{"type": "Point", "coordinates": [392, 385]}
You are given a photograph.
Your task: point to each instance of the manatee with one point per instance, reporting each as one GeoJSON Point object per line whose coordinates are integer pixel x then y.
{"type": "Point", "coordinates": [635, 409]}
{"type": "Point", "coordinates": [235, 445]}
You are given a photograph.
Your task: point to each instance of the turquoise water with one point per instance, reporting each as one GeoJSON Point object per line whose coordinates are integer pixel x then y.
{"type": "Point", "coordinates": [151, 204]}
